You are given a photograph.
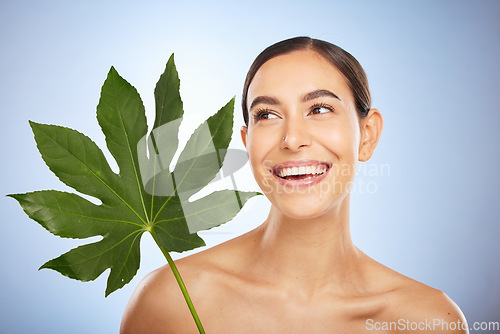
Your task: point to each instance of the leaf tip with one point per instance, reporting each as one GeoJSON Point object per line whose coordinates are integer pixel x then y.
{"type": "Point", "coordinates": [33, 124]}
{"type": "Point", "coordinates": [14, 196]}
{"type": "Point", "coordinates": [50, 265]}
{"type": "Point", "coordinates": [112, 71]}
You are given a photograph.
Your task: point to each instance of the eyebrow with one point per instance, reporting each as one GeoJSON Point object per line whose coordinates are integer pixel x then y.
{"type": "Point", "coordinates": [307, 97]}
{"type": "Point", "coordinates": [264, 100]}
{"type": "Point", "coordinates": [319, 93]}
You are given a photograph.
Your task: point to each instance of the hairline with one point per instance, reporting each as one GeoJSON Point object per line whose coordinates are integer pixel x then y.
{"type": "Point", "coordinates": [314, 45]}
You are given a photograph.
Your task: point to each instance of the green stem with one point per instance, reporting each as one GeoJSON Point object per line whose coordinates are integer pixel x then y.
{"type": "Point", "coordinates": [181, 285]}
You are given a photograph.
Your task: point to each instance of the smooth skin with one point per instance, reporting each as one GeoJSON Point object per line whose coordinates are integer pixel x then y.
{"type": "Point", "coordinates": [299, 272]}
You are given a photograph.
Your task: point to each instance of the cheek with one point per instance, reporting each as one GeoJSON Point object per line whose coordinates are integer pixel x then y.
{"type": "Point", "coordinates": [259, 145]}
{"type": "Point", "coordinates": [341, 139]}
{"type": "Point", "coordinates": [256, 149]}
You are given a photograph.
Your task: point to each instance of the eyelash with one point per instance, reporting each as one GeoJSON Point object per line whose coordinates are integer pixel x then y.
{"type": "Point", "coordinates": [322, 105]}
{"type": "Point", "coordinates": [259, 114]}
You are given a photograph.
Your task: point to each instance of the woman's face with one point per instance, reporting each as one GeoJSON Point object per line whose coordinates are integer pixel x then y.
{"type": "Point", "coordinates": [303, 135]}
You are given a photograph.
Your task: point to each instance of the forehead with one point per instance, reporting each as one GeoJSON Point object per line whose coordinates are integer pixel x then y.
{"type": "Point", "coordinates": [296, 73]}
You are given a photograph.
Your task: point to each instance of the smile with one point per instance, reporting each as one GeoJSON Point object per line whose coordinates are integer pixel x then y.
{"type": "Point", "coordinates": [301, 173]}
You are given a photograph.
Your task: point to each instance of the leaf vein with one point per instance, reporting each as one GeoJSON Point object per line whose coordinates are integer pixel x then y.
{"type": "Point", "coordinates": [133, 161]}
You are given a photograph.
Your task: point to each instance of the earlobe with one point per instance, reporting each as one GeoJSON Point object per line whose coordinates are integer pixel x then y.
{"type": "Point", "coordinates": [243, 133]}
{"type": "Point", "coordinates": [371, 129]}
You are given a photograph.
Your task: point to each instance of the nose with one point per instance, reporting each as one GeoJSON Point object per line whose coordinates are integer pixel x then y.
{"type": "Point", "coordinates": [295, 135]}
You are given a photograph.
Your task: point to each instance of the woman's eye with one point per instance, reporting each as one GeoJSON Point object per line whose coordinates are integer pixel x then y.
{"type": "Point", "coordinates": [263, 114]}
{"type": "Point", "coordinates": [321, 110]}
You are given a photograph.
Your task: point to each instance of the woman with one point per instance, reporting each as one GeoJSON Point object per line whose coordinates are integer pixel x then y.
{"type": "Point", "coordinates": [308, 120]}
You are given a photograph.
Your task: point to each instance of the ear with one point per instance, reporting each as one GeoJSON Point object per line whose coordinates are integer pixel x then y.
{"type": "Point", "coordinates": [371, 129]}
{"type": "Point", "coordinates": [243, 132]}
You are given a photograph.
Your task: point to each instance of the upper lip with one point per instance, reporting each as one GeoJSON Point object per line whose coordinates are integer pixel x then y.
{"type": "Point", "coordinates": [299, 163]}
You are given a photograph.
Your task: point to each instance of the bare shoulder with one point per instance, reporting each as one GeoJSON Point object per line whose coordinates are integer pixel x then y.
{"type": "Point", "coordinates": [158, 306]}
{"type": "Point", "coordinates": [410, 306]}
{"type": "Point", "coordinates": [423, 309]}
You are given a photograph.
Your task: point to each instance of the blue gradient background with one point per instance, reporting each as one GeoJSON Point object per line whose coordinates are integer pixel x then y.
{"type": "Point", "coordinates": [434, 72]}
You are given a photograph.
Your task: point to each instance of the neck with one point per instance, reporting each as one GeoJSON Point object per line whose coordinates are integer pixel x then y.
{"type": "Point", "coordinates": [314, 253]}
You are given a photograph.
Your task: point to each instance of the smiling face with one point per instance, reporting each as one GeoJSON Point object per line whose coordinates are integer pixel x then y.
{"type": "Point", "coordinates": [303, 136]}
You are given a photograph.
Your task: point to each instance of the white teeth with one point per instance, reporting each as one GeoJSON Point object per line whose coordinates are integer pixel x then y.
{"type": "Point", "coordinates": [302, 170]}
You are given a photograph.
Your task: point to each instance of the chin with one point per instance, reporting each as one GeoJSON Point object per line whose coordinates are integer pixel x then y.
{"type": "Point", "coordinates": [304, 207]}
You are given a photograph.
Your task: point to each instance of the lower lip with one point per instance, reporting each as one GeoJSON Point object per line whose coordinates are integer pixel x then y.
{"type": "Point", "coordinates": [301, 183]}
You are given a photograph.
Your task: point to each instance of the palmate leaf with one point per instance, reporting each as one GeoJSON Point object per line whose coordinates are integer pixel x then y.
{"type": "Point", "coordinates": [145, 196]}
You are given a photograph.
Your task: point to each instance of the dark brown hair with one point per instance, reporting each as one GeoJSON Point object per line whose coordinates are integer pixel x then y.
{"type": "Point", "coordinates": [338, 57]}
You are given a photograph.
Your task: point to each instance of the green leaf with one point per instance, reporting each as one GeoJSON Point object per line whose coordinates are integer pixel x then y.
{"type": "Point", "coordinates": [145, 196]}
{"type": "Point", "coordinates": [202, 157]}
